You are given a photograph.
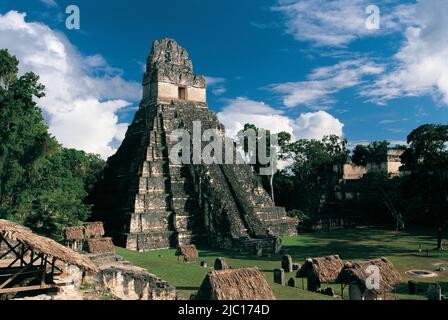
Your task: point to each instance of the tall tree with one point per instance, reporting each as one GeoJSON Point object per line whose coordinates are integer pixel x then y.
{"type": "Point", "coordinates": [42, 184]}
{"type": "Point", "coordinates": [379, 187]}
{"type": "Point", "coordinates": [374, 152]}
{"type": "Point", "coordinates": [426, 159]}
{"type": "Point", "coordinates": [283, 138]}
{"type": "Point", "coordinates": [310, 174]}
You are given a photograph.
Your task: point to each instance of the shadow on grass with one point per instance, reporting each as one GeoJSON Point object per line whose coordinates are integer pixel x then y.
{"type": "Point", "coordinates": [187, 288]}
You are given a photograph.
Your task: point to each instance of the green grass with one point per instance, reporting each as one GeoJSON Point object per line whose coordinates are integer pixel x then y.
{"type": "Point", "coordinates": [360, 243]}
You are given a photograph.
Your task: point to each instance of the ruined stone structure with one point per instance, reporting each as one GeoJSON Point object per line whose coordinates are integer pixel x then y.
{"type": "Point", "coordinates": [339, 209]}
{"type": "Point", "coordinates": [148, 202]}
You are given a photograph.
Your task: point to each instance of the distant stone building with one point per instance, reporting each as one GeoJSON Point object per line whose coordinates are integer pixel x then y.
{"type": "Point", "coordinates": [349, 173]}
{"type": "Point", "coordinates": [338, 208]}
{"type": "Point", "coordinates": [148, 202]}
{"type": "Point", "coordinates": [391, 165]}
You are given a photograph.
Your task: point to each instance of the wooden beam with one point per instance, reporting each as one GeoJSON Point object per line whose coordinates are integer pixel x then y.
{"type": "Point", "coordinates": [33, 288]}
{"type": "Point", "coordinates": [17, 258]}
{"type": "Point", "coordinates": [4, 255]}
{"type": "Point", "coordinates": [10, 247]}
{"type": "Point", "coordinates": [4, 284]}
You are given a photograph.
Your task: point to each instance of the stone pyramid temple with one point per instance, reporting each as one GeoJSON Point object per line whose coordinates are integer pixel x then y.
{"type": "Point", "coordinates": [147, 202]}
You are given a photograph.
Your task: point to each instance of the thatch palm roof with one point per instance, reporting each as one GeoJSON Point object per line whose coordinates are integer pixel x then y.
{"type": "Point", "coordinates": [74, 233]}
{"type": "Point", "coordinates": [94, 229]}
{"type": "Point", "coordinates": [46, 246]}
{"type": "Point", "coordinates": [235, 284]}
{"type": "Point", "coordinates": [357, 273]}
{"type": "Point", "coordinates": [325, 268]}
{"type": "Point", "coordinates": [102, 245]}
{"type": "Point", "coordinates": [187, 251]}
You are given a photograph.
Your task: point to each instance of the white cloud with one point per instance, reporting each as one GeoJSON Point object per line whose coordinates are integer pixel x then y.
{"type": "Point", "coordinates": [49, 3]}
{"type": "Point", "coordinates": [421, 64]}
{"type": "Point", "coordinates": [217, 85]}
{"type": "Point", "coordinates": [83, 93]}
{"type": "Point", "coordinates": [337, 22]}
{"type": "Point", "coordinates": [315, 125]}
{"type": "Point", "coordinates": [311, 125]}
{"type": "Point", "coordinates": [324, 81]}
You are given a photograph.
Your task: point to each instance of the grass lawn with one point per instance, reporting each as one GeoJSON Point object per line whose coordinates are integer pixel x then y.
{"type": "Point", "coordinates": [360, 243]}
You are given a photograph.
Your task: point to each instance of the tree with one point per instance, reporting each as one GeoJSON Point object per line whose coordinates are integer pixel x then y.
{"type": "Point", "coordinates": [426, 159]}
{"type": "Point", "coordinates": [42, 184]}
{"type": "Point", "coordinates": [378, 186]}
{"type": "Point", "coordinates": [374, 152]}
{"type": "Point", "coordinates": [267, 180]}
{"type": "Point", "coordinates": [310, 174]}
{"type": "Point", "coordinates": [8, 68]}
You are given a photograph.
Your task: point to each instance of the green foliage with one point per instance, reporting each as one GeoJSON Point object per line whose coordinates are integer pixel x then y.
{"type": "Point", "coordinates": [310, 174]}
{"type": "Point", "coordinates": [299, 214]}
{"type": "Point", "coordinates": [42, 184]}
{"type": "Point", "coordinates": [426, 160]}
{"type": "Point", "coordinates": [8, 67]}
{"type": "Point", "coordinates": [379, 190]}
{"type": "Point", "coordinates": [428, 148]}
{"type": "Point", "coordinates": [374, 152]}
{"type": "Point", "coordinates": [260, 136]}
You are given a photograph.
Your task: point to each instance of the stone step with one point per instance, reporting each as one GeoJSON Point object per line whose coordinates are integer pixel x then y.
{"type": "Point", "coordinates": [153, 168]}
{"type": "Point", "coordinates": [147, 202]}
{"type": "Point", "coordinates": [149, 222]}
{"type": "Point", "coordinates": [152, 184]}
{"type": "Point", "coordinates": [146, 241]}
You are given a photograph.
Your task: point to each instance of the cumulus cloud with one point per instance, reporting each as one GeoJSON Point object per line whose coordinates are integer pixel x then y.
{"type": "Point", "coordinates": [241, 110]}
{"type": "Point", "coordinates": [315, 125]}
{"type": "Point", "coordinates": [421, 64]}
{"type": "Point", "coordinates": [337, 22]}
{"type": "Point", "coordinates": [324, 81]}
{"type": "Point", "coordinates": [83, 93]}
{"type": "Point", "coordinates": [311, 125]}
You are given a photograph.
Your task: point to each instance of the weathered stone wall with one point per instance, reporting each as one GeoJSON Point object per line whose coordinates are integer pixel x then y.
{"type": "Point", "coordinates": [133, 285]}
{"type": "Point", "coordinates": [353, 172]}
{"type": "Point", "coordinates": [197, 94]}
{"type": "Point", "coordinates": [128, 282]}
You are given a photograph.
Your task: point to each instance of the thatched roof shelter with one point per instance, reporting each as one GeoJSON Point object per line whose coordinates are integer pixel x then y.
{"type": "Point", "coordinates": [74, 233]}
{"type": "Point", "coordinates": [102, 245]}
{"type": "Point", "coordinates": [235, 284]}
{"type": "Point", "coordinates": [49, 248]}
{"type": "Point", "coordinates": [189, 252]}
{"type": "Point", "coordinates": [357, 273]}
{"type": "Point", "coordinates": [94, 229]}
{"type": "Point", "coordinates": [325, 268]}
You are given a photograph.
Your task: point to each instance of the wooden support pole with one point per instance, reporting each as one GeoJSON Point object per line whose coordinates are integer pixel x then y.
{"type": "Point", "coordinates": [44, 273]}
{"type": "Point", "coordinates": [22, 255]}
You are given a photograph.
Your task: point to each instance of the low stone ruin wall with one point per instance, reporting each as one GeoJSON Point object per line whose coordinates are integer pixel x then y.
{"type": "Point", "coordinates": [128, 282]}
{"type": "Point", "coordinates": [324, 224]}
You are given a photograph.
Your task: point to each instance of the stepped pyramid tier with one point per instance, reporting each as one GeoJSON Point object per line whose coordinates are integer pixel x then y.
{"type": "Point", "coordinates": [148, 202]}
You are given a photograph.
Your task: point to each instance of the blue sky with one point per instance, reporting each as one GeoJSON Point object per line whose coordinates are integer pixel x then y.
{"type": "Point", "coordinates": [308, 67]}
